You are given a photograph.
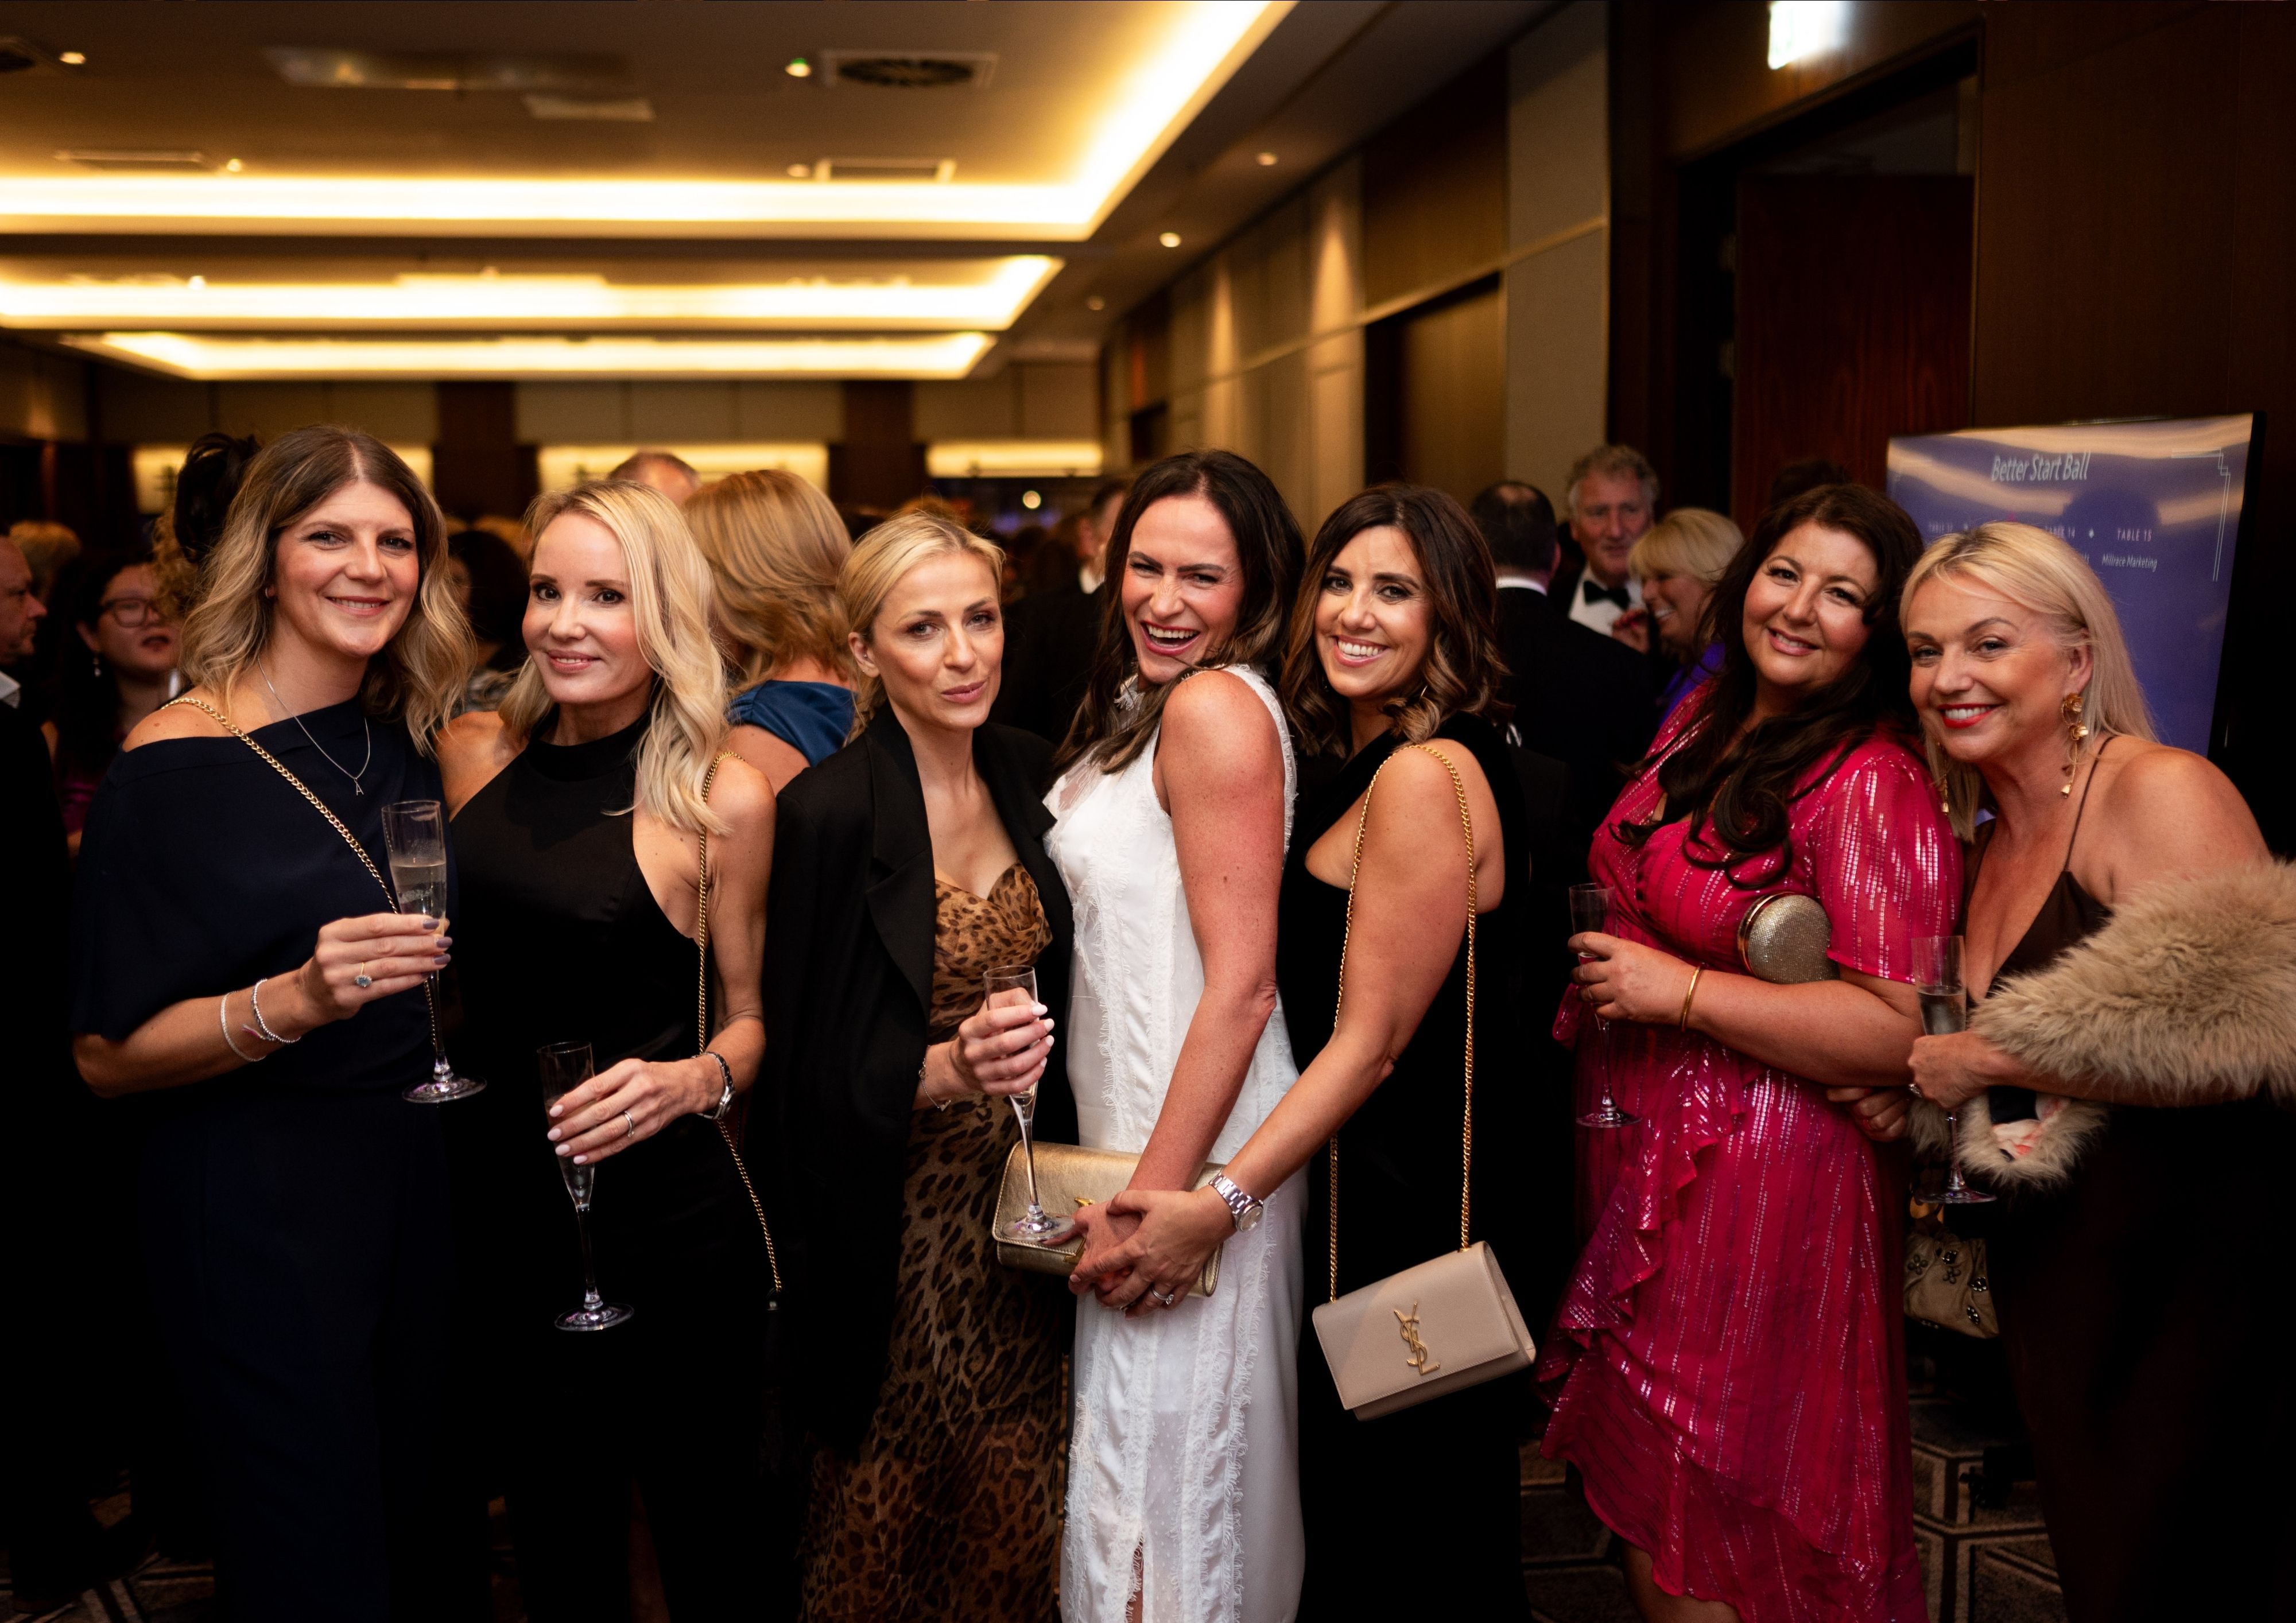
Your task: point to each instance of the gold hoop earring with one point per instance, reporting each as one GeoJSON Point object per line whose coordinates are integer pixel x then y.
{"type": "Point", "coordinates": [2075, 732]}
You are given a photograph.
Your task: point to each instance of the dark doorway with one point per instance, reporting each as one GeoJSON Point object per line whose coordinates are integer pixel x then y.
{"type": "Point", "coordinates": [1435, 392]}
{"type": "Point", "coordinates": [1853, 321]}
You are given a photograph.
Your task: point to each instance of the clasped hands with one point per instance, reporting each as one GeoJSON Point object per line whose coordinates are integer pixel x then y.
{"type": "Point", "coordinates": [1146, 1248]}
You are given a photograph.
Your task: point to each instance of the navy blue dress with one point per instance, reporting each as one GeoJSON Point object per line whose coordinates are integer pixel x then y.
{"type": "Point", "coordinates": [811, 717]}
{"type": "Point", "coordinates": [293, 1212]}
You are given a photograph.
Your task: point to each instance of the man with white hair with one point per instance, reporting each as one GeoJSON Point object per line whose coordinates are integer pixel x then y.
{"type": "Point", "coordinates": [1611, 498]}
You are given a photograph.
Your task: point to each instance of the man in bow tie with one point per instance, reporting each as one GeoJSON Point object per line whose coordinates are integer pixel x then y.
{"type": "Point", "coordinates": [1611, 497]}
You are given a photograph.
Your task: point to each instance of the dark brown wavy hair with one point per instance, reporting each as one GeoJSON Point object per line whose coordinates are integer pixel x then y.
{"type": "Point", "coordinates": [1739, 791]}
{"type": "Point", "coordinates": [1110, 731]}
{"type": "Point", "coordinates": [1463, 669]}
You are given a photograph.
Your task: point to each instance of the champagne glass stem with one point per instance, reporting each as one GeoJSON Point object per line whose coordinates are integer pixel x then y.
{"type": "Point", "coordinates": [591, 1301]}
{"type": "Point", "coordinates": [1029, 1155]}
{"type": "Point", "coordinates": [1953, 1183]}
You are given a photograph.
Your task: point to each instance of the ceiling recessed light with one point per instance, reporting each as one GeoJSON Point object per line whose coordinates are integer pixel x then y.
{"type": "Point", "coordinates": [1266, 160]}
{"type": "Point", "coordinates": [232, 166]}
{"type": "Point", "coordinates": [798, 67]}
{"type": "Point", "coordinates": [195, 281]}
{"type": "Point", "coordinates": [1031, 500]}
{"type": "Point", "coordinates": [1170, 239]}
{"type": "Point", "coordinates": [801, 171]}
{"type": "Point", "coordinates": [72, 59]}
{"type": "Point", "coordinates": [1096, 303]}
{"type": "Point", "coordinates": [941, 355]}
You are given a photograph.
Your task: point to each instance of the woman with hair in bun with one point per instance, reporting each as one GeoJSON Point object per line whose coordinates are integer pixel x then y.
{"type": "Point", "coordinates": [583, 808]}
{"type": "Point", "coordinates": [908, 866]}
{"type": "Point", "coordinates": [237, 953]}
{"type": "Point", "coordinates": [2125, 1085]}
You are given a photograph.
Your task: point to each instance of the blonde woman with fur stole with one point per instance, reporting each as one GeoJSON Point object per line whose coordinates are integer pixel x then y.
{"type": "Point", "coordinates": [232, 952]}
{"type": "Point", "coordinates": [581, 810]}
{"type": "Point", "coordinates": [2125, 1085]}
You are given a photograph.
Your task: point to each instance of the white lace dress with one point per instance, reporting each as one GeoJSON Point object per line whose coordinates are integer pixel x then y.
{"type": "Point", "coordinates": [1184, 1445]}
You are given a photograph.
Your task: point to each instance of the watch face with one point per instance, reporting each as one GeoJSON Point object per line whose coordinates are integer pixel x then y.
{"type": "Point", "coordinates": [1250, 1219]}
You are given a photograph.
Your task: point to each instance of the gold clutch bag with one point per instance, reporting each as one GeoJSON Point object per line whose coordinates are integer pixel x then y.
{"type": "Point", "coordinates": [1783, 939]}
{"type": "Point", "coordinates": [1070, 1177]}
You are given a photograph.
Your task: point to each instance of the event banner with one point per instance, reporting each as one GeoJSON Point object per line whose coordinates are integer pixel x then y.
{"type": "Point", "coordinates": [2153, 506]}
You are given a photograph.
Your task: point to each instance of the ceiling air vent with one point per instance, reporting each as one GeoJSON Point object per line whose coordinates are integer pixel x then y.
{"type": "Point", "coordinates": [910, 70]}
{"type": "Point", "coordinates": [147, 159]}
{"type": "Point", "coordinates": [911, 169]}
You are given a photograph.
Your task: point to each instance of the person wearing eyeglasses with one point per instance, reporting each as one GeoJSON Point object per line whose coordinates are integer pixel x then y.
{"type": "Point", "coordinates": [20, 614]}
{"type": "Point", "coordinates": [125, 670]}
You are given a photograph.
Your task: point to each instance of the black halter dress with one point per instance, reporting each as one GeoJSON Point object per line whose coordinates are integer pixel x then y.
{"type": "Point", "coordinates": [1441, 1481]}
{"type": "Point", "coordinates": [2146, 1315]}
{"type": "Point", "coordinates": [561, 940]}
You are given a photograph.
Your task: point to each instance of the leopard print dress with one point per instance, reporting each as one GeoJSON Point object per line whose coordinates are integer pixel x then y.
{"type": "Point", "coordinates": [951, 1509]}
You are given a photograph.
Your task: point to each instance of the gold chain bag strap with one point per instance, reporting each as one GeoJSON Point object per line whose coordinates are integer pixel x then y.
{"type": "Point", "coordinates": [701, 1033]}
{"type": "Point", "coordinates": [390, 896]}
{"type": "Point", "coordinates": [1445, 1325]}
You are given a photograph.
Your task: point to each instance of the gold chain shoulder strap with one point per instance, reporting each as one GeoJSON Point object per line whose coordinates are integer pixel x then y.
{"type": "Point", "coordinates": [702, 1028]}
{"type": "Point", "coordinates": [390, 896]}
{"type": "Point", "coordinates": [1467, 1118]}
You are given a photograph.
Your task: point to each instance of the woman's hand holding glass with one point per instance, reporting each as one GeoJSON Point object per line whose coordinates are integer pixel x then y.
{"type": "Point", "coordinates": [630, 1101]}
{"type": "Point", "coordinates": [1001, 1049]}
{"type": "Point", "coordinates": [1623, 980]}
{"type": "Point", "coordinates": [391, 952]}
{"type": "Point", "coordinates": [1951, 1070]}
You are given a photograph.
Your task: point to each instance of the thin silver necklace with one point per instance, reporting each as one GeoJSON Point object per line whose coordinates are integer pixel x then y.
{"type": "Point", "coordinates": [356, 787]}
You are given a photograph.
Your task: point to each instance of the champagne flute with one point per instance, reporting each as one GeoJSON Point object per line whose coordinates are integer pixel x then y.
{"type": "Point", "coordinates": [1005, 988]}
{"type": "Point", "coordinates": [415, 833]}
{"type": "Point", "coordinates": [1945, 1009]}
{"type": "Point", "coordinates": [565, 1067]}
{"type": "Point", "coordinates": [1590, 910]}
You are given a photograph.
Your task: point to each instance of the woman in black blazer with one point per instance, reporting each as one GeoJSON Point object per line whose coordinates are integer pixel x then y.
{"type": "Point", "coordinates": [908, 865]}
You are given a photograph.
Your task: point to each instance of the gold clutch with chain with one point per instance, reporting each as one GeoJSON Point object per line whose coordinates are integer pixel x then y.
{"type": "Point", "coordinates": [1070, 1177]}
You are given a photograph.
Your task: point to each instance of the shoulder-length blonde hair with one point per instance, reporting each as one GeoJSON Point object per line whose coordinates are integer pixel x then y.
{"type": "Point", "coordinates": [1463, 666]}
{"type": "Point", "coordinates": [2039, 573]}
{"type": "Point", "coordinates": [1693, 541]}
{"type": "Point", "coordinates": [669, 602]}
{"type": "Point", "coordinates": [879, 561]}
{"type": "Point", "coordinates": [776, 545]}
{"type": "Point", "coordinates": [418, 676]}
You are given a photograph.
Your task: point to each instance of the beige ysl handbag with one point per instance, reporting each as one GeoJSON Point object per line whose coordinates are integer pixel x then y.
{"type": "Point", "coordinates": [1447, 1323]}
{"type": "Point", "coordinates": [1069, 1178]}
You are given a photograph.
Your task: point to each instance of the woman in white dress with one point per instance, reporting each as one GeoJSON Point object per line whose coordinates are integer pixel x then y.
{"type": "Point", "coordinates": [1174, 804]}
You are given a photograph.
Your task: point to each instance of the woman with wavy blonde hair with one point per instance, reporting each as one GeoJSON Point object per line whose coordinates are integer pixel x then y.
{"type": "Point", "coordinates": [231, 918]}
{"type": "Point", "coordinates": [584, 810]}
{"type": "Point", "coordinates": [776, 545]}
{"type": "Point", "coordinates": [2123, 1086]}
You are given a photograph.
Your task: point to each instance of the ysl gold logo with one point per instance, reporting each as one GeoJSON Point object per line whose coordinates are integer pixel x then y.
{"type": "Point", "coordinates": [1408, 1324]}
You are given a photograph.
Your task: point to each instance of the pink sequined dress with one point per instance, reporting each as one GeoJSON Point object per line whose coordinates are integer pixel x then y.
{"type": "Point", "coordinates": [1727, 1370]}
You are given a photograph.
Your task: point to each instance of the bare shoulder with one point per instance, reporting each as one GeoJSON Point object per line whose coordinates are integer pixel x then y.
{"type": "Point", "coordinates": [1426, 770]}
{"type": "Point", "coordinates": [745, 797]}
{"type": "Point", "coordinates": [175, 721]}
{"type": "Point", "coordinates": [472, 749]}
{"type": "Point", "coordinates": [2172, 812]}
{"type": "Point", "coordinates": [1217, 713]}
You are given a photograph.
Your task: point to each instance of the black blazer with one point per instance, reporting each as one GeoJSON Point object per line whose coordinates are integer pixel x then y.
{"type": "Point", "coordinates": [849, 923]}
{"type": "Point", "coordinates": [1586, 700]}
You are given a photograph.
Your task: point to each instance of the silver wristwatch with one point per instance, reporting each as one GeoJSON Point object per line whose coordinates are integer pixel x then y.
{"type": "Point", "coordinates": [725, 1093]}
{"type": "Point", "coordinates": [1244, 1208]}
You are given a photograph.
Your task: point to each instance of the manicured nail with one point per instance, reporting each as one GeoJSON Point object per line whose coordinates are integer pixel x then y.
{"type": "Point", "coordinates": [431, 923]}
{"type": "Point", "coordinates": [556, 1110]}
{"type": "Point", "coordinates": [441, 961]}
{"type": "Point", "coordinates": [1039, 1008]}
{"type": "Point", "coordinates": [565, 1150]}
{"type": "Point", "coordinates": [581, 1160]}
{"type": "Point", "coordinates": [553, 1136]}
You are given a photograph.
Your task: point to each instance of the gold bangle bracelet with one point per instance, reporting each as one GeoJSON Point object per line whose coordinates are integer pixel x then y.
{"type": "Point", "coordinates": [1682, 1023]}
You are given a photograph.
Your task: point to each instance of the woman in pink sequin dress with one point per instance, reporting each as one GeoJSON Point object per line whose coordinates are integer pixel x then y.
{"type": "Point", "coordinates": [1726, 1369]}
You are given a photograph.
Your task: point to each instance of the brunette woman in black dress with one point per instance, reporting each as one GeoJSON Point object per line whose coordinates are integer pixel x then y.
{"type": "Point", "coordinates": [1393, 644]}
{"type": "Point", "coordinates": [235, 945]}
{"type": "Point", "coordinates": [580, 811]}
{"type": "Point", "coordinates": [2128, 941]}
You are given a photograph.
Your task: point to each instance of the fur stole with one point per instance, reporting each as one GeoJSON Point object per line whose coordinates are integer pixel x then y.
{"type": "Point", "coordinates": [2185, 996]}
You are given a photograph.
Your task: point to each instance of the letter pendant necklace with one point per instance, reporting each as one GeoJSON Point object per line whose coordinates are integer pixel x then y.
{"type": "Point", "coordinates": [356, 787]}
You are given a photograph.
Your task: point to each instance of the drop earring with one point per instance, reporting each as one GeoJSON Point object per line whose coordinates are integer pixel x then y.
{"type": "Point", "coordinates": [2075, 732]}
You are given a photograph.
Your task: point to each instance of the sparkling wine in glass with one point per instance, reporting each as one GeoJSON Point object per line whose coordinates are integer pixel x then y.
{"type": "Point", "coordinates": [1004, 988]}
{"type": "Point", "coordinates": [1590, 910]}
{"type": "Point", "coordinates": [1945, 1009]}
{"type": "Point", "coordinates": [414, 832]}
{"type": "Point", "coordinates": [565, 1067]}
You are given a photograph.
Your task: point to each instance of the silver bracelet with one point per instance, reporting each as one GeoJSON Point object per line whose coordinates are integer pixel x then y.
{"type": "Point", "coordinates": [222, 1024]}
{"type": "Point", "coordinates": [925, 1088]}
{"type": "Point", "coordinates": [263, 1026]}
